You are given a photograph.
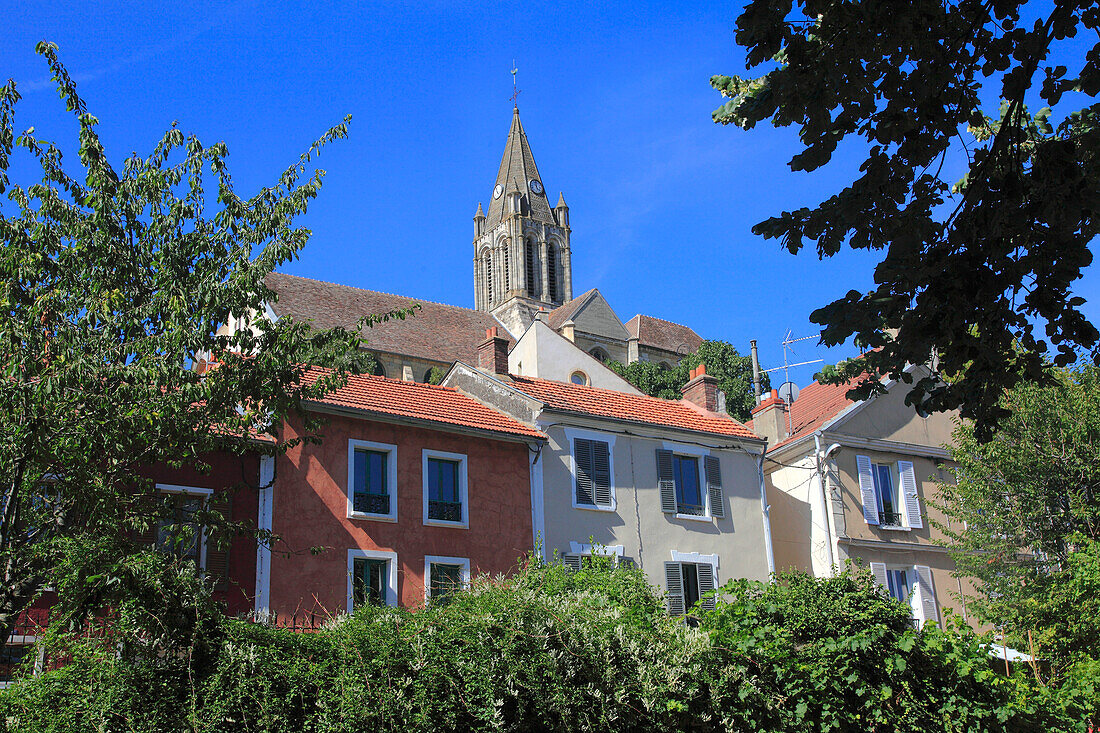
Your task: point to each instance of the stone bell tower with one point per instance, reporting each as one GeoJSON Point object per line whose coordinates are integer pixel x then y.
{"type": "Point", "coordinates": [521, 248]}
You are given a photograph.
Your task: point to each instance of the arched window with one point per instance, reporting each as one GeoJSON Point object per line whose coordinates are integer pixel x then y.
{"type": "Point", "coordinates": [665, 365]}
{"type": "Point", "coordinates": [552, 271]}
{"type": "Point", "coordinates": [507, 271]}
{"type": "Point", "coordinates": [600, 354]}
{"type": "Point", "coordinates": [378, 370]}
{"type": "Point", "coordinates": [488, 278]}
{"type": "Point", "coordinates": [529, 252]}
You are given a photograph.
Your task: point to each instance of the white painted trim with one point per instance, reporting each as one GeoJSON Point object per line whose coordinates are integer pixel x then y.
{"type": "Point", "coordinates": [698, 517]}
{"type": "Point", "coordinates": [444, 560]}
{"type": "Point", "coordinates": [698, 452]}
{"type": "Point", "coordinates": [391, 581]}
{"type": "Point", "coordinates": [264, 517]}
{"type": "Point", "coordinates": [577, 548]}
{"type": "Point", "coordinates": [391, 478]}
{"type": "Point", "coordinates": [538, 505]}
{"type": "Point", "coordinates": [695, 557]}
{"type": "Point", "coordinates": [463, 489]}
{"type": "Point", "coordinates": [178, 489]}
{"type": "Point", "coordinates": [686, 449]}
{"type": "Point", "coordinates": [571, 435]}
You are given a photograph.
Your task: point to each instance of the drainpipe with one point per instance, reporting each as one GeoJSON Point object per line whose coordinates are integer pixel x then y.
{"type": "Point", "coordinates": [764, 511]}
{"type": "Point", "coordinates": [823, 479]}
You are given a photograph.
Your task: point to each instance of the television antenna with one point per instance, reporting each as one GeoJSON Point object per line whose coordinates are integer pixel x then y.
{"type": "Point", "coordinates": [789, 390]}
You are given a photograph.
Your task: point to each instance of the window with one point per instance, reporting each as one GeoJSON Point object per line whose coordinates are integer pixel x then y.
{"type": "Point", "coordinates": [529, 250]}
{"type": "Point", "coordinates": [18, 650]}
{"type": "Point", "coordinates": [580, 378]}
{"type": "Point", "coordinates": [682, 489]}
{"type": "Point", "coordinates": [592, 473]}
{"type": "Point", "coordinates": [889, 494]}
{"type": "Point", "coordinates": [489, 276]}
{"type": "Point", "coordinates": [372, 578]}
{"type": "Point", "coordinates": [372, 480]}
{"type": "Point", "coordinates": [178, 532]}
{"type": "Point", "coordinates": [444, 576]}
{"type": "Point", "coordinates": [552, 272]}
{"type": "Point", "coordinates": [445, 489]}
{"type": "Point", "coordinates": [912, 586]}
{"type": "Point", "coordinates": [688, 580]}
{"type": "Point", "coordinates": [599, 354]}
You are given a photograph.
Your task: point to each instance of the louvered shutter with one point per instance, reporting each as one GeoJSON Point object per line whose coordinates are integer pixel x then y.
{"type": "Point", "coordinates": [712, 467]}
{"type": "Point", "coordinates": [909, 494]}
{"type": "Point", "coordinates": [878, 569]}
{"type": "Point", "coordinates": [582, 456]}
{"type": "Point", "coordinates": [601, 473]}
{"type": "Point", "coordinates": [217, 544]}
{"type": "Point", "coordinates": [573, 562]}
{"type": "Point", "coordinates": [674, 588]}
{"type": "Point", "coordinates": [927, 594]}
{"type": "Point", "coordinates": [706, 584]}
{"type": "Point", "coordinates": [666, 484]}
{"type": "Point", "coordinates": [867, 489]}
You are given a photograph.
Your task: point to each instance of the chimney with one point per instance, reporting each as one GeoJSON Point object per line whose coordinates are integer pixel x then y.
{"type": "Point", "coordinates": [492, 353]}
{"type": "Point", "coordinates": [702, 389]}
{"type": "Point", "coordinates": [769, 418]}
{"type": "Point", "coordinates": [569, 330]}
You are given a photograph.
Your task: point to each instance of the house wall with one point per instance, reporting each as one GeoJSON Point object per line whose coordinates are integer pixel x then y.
{"type": "Point", "coordinates": [798, 534]}
{"type": "Point", "coordinates": [311, 513]}
{"type": "Point", "coordinates": [542, 353]}
{"type": "Point", "coordinates": [647, 534]}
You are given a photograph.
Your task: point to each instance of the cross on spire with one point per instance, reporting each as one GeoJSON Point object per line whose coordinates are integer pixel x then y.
{"type": "Point", "coordinates": [515, 90]}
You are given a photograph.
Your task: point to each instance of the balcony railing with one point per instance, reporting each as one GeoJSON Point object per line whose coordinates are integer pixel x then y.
{"type": "Point", "coordinates": [445, 511]}
{"type": "Point", "coordinates": [371, 503]}
{"type": "Point", "coordinates": [695, 510]}
{"type": "Point", "coordinates": [890, 519]}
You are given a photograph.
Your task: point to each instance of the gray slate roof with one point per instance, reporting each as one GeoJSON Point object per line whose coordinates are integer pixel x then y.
{"type": "Point", "coordinates": [517, 169]}
{"type": "Point", "coordinates": [437, 332]}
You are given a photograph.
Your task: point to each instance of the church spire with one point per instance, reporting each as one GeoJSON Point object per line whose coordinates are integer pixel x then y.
{"type": "Point", "coordinates": [518, 164]}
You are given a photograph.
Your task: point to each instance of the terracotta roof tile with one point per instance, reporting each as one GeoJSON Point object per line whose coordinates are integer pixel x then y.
{"type": "Point", "coordinates": [437, 332]}
{"type": "Point", "coordinates": [816, 405]}
{"type": "Point", "coordinates": [635, 408]}
{"type": "Point", "coordinates": [661, 334]}
{"type": "Point", "coordinates": [419, 401]}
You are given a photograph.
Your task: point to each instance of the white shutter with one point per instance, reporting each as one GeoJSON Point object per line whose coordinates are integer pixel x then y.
{"type": "Point", "coordinates": [706, 584]}
{"type": "Point", "coordinates": [601, 473]}
{"type": "Point", "coordinates": [666, 483]}
{"type": "Point", "coordinates": [927, 594]}
{"type": "Point", "coordinates": [909, 494]}
{"type": "Point", "coordinates": [713, 470]}
{"type": "Point", "coordinates": [867, 489]}
{"type": "Point", "coordinates": [878, 569]}
{"type": "Point", "coordinates": [674, 588]}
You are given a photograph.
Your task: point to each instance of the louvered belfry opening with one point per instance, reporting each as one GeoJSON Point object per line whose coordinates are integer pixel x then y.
{"type": "Point", "coordinates": [530, 256]}
{"type": "Point", "coordinates": [552, 272]}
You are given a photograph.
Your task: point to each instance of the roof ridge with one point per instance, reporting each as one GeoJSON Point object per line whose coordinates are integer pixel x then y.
{"type": "Point", "coordinates": [642, 396]}
{"type": "Point", "coordinates": [380, 292]}
{"type": "Point", "coordinates": [664, 320]}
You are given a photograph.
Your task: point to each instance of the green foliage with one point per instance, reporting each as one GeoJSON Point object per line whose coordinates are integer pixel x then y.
{"type": "Point", "coordinates": [435, 376]}
{"type": "Point", "coordinates": [974, 271]}
{"type": "Point", "coordinates": [547, 649]}
{"type": "Point", "coordinates": [1025, 516]}
{"type": "Point", "coordinates": [113, 285]}
{"type": "Point", "coordinates": [733, 372]}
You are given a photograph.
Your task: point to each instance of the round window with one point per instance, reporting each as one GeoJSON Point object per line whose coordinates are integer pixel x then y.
{"type": "Point", "coordinates": [579, 378]}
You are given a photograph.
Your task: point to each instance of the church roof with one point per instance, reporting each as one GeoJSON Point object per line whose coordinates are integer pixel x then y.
{"type": "Point", "coordinates": [517, 168]}
{"type": "Point", "coordinates": [436, 332]}
{"type": "Point", "coordinates": [665, 335]}
{"type": "Point", "coordinates": [567, 310]}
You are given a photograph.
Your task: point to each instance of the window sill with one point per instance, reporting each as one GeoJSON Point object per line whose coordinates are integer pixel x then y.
{"type": "Point", "coordinates": [443, 523]}
{"type": "Point", "coordinates": [695, 517]}
{"type": "Point", "coordinates": [594, 507]}
{"type": "Point", "coordinates": [372, 517]}
{"type": "Point", "coordinates": [894, 528]}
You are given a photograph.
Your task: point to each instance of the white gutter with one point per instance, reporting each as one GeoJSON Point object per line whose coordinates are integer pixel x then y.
{"type": "Point", "coordinates": [823, 483]}
{"type": "Point", "coordinates": [764, 513]}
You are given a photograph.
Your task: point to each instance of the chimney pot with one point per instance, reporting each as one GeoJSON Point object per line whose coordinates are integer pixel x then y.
{"type": "Point", "coordinates": [492, 353]}
{"type": "Point", "coordinates": [702, 389]}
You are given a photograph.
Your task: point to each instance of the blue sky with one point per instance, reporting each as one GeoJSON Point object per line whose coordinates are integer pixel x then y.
{"type": "Point", "coordinates": [615, 101]}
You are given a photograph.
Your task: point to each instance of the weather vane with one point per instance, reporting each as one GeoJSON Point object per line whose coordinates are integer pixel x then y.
{"type": "Point", "coordinates": [515, 89]}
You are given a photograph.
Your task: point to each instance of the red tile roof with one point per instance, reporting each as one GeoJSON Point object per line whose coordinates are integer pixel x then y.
{"type": "Point", "coordinates": [816, 405]}
{"type": "Point", "coordinates": [436, 332]}
{"type": "Point", "coordinates": [634, 408]}
{"type": "Point", "coordinates": [419, 401]}
{"type": "Point", "coordinates": [665, 335]}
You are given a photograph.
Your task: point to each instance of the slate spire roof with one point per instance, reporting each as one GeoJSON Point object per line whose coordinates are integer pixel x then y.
{"type": "Point", "coordinates": [517, 168]}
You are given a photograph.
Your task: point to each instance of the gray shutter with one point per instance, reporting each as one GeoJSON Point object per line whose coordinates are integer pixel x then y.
{"type": "Point", "coordinates": [218, 542]}
{"type": "Point", "coordinates": [674, 588]}
{"type": "Point", "coordinates": [712, 467]}
{"type": "Point", "coordinates": [879, 571]}
{"type": "Point", "coordinates": [573, 562]}
{"type": "Point", "coordinates": [909, 494]}
{"type": "Point", "coordinates": [706, 584]}
{"type": "Point", "coordinates": [666, 484]}
{"type": "Point", "coordinates": [927, 594]}
{"type": "Point", "coordinates": [582, 456]}
{"type": "Point", "coordinates": [867, 489]}
{"type": "Point", "coordinates": [601, 473]}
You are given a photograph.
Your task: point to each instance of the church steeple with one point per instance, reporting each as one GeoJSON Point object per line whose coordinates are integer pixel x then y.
{"type": "Point", "coordinates": [522, 259]}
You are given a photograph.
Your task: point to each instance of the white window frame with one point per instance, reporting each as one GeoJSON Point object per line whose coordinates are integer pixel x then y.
{"type": "Point", "coordinates": [444, 560]}
{"type": "Point", "coordinates": [699, 452]}
{"type": "Point", "coordinates": [463, 488]}
{"type": "Point", "coordinates": [696, 558]}
{"type": "Point", "coordinates": [391, 478]}
{"type": "Point", "coordinates": [391, 579]}
{"type": "Point", "coordinates": [26, 640]}
{"type": "Point", "coordinates": [917, 591]}
{"type": "Point", "coordinates": [899, 500]}
{"type": "Point", "coordinates": [197, 491]}
{"type": "Point", "coordinates": [571, 435]}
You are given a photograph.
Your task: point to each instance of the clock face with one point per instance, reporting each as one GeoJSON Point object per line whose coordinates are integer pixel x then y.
{"type": "Point", "coordinates": [535, 185]}
{"type": "Point", "coordinates": [498, 191]}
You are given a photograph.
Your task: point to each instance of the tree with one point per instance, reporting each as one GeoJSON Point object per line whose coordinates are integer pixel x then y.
{"type": "Point", "coordinates": [970, 271]}
{"type": "Point", "coordinates": [112, 284]}
{"type": "Point", "coordinates": [733, 372]}
{"type": "Point", "coordinates": [1025, 515]}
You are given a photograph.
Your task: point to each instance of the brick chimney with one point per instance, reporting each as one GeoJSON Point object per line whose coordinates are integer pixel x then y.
{"type": "Point", "coordinates": [769, 418]}
{"type": "Point", "coordinates": [702, 389]}
{"type": "Point", "coordinates": [492, 353]}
